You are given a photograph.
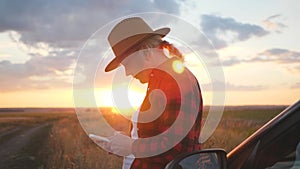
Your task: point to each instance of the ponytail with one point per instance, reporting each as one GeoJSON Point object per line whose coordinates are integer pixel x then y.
{"type": "Point", "coordinates": [173, 51]}
{"type": "Point", "coordinates": [156, 41]}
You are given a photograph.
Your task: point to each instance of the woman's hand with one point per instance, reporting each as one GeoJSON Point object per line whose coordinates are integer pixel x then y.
{"type": "Point", "coordinates": [102, 143]}
{"type": "Point", "coordinates": [121, 144]}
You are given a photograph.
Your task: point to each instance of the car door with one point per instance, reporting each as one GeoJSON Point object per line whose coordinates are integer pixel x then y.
{"type": "Point", "coordinates": [274, 146]}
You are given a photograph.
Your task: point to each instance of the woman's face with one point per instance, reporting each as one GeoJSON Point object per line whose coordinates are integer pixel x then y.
{"type": "Point", "coordinates": [136, 65]}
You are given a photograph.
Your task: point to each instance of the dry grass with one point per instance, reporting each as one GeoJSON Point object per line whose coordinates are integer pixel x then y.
{"type": "Point", "coordinates": [23, 119]}
{"type": "Point", "coordinates": [238, 123]}
{"type": "Point", "coordinates": [230, 133]}
{"type": "Point", "coordinates": [69, 147]}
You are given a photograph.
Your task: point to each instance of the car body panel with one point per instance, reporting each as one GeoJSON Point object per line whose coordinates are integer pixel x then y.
{"type": "Point", "coordinates": [276, 140]}
{"type": "Point", "coordinates": [276, 145]}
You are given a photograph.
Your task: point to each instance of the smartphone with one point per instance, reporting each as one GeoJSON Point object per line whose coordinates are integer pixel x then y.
{"type": "Point", "coordinates": [96, 137]}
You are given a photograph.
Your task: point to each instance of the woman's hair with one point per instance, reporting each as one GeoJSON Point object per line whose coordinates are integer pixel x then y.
{"type": "Point", "coordinates": [156, 41]}
{"type": "Point", "coordinates": [173, 51]}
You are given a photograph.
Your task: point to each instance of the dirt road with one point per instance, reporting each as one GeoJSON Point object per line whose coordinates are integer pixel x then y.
{"type": "Point", "coordinates": [20, 148]}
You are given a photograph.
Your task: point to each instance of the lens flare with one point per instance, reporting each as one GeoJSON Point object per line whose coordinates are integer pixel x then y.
{"type": "Point", "coordinates": [178, 66]}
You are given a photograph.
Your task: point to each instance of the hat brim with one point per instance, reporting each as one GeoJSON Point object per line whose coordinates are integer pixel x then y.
{"type": "Point", "coordinates": [117, 60]}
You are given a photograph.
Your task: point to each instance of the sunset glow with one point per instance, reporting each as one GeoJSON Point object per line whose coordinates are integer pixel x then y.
{"type": "Point", "coordinates": [258, 49]}
{"type": "Point", "coordinates": [104, 98]}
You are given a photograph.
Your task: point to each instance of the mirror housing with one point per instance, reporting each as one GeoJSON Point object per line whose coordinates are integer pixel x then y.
{"type": "Point", "coordinates": [206, 158]}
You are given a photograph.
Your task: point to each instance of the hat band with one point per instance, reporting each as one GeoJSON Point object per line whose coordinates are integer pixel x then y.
{"type": "Point", "coordinates": [127, 46]}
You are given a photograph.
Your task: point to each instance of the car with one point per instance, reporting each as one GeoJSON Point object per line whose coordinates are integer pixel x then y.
{"type": "Point", "coordinates": [276, 145]}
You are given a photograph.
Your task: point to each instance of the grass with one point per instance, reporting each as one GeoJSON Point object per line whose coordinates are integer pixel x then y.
{"type": "Point", "coordinates": [14, 125]}
{"type": "Point", "coordinates": [238, 123]}
{"type": "Point", "coordinates": [10, 120]}
{"type": "Point", "coordinates": [68, 146]}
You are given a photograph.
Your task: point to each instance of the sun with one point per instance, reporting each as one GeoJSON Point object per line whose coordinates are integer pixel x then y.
{"type": "Point", "coordinates": [126, 109]}
{"type": "Point", "coordinates": [104, 98]}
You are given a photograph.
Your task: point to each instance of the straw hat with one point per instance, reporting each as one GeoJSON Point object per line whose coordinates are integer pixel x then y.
{"type": "Point", "coordinates": [126, 36]}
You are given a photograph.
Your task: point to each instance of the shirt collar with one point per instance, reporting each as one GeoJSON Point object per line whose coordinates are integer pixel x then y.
{"type": "Point", "coordinates": [166, 66]}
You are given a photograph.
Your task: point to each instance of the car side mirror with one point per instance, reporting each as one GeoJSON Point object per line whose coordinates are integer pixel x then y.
{"type": "Point", "coordinates": [207, 158]}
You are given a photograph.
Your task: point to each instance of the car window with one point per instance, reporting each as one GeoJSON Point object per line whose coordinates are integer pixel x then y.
{"type": "Point", "coordinates": [275, 145]}
{"type": "Point", "coordinates": [207, 161]}
{"type": "Point", "coordinates": [288, 162]}
{"type": "Point", "coordinates": [281, 152]}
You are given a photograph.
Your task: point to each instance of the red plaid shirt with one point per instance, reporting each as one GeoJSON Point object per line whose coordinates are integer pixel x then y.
{"type": "Point", "coordinates": [191, 116]}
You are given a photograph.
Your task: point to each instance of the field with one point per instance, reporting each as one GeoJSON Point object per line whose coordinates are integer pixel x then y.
{"type": "Point", "coordinates": [53, 138]}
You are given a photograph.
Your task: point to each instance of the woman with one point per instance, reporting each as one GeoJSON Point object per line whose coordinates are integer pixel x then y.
{"type": "Point", "coordinates": [169, 120]}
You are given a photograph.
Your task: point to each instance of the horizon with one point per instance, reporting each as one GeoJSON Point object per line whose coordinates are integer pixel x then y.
{"type": "Point", "coordinates": [111, 107]}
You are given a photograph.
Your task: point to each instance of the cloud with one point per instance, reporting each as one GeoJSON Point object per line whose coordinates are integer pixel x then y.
{"type": "Point", "coordinates": [296, 86]}
{"type": "Point", "coordinates": [223, 31]}
{"type": "Point", "coordinates": [37, 73]}
{"type": "Point", "coordinates": [232, 87]}
{"type": "Point", "coordinates": [61, 22]}
{"type": "Point", "coordinates": [62, 26]}
{"type": "Point", "coordinates": [272, 23]}
{"type": "Point", "coordinates": [231, 61]}
{"type": "Point", "coordinates": [277, 55]}
{"type": "Point", "coordinates": [295, 69]}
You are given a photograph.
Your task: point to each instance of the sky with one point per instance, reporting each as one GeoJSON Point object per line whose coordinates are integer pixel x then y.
{"type": "Point", "coordinates": [41, 41]}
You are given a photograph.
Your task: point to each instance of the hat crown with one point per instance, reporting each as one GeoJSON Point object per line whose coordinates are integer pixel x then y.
{"type": "Point", "coordinates": [127, 28]}
{"type": "Point", "coordinates": [125, 37]}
